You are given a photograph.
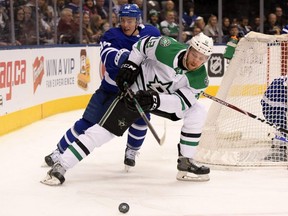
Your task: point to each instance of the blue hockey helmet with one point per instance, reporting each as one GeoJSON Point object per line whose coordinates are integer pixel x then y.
{"type": "Point", "coordinates": [284, 30]}
{"type": "Point", "coordinates": [130, 10]}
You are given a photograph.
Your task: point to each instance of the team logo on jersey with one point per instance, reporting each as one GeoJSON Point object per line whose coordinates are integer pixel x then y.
{"type": "Point", "coordinates": [159, 86]}
{"type": "Point", "coordinates": [122, 123]}
{"type": "Point", "coordinates": [165, 42]}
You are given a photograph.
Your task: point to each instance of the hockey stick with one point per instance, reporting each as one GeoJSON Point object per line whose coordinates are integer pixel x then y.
{"type": "Point", "coordinates": [277, 137]}
{"type": "Point", "coordinates": [143, 115]}
{"type": "Point", "coordinates": [244, 112]}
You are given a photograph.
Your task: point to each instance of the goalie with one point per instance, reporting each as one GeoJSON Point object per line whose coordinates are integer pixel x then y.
{"type": "Point", "coordinates": [274, 108]}
{"type": "Point", "coordinates": [168, 78]}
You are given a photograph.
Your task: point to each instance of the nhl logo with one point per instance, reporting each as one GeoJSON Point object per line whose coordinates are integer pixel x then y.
{"type": "Point", "coordinates": [216, 65]}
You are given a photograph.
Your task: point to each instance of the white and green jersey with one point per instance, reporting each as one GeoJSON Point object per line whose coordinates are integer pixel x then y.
{"type": "Point", "coordinates": [178, 89]}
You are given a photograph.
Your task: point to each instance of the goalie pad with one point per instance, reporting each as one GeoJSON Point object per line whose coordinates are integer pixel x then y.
{"type": "Point", "coordinates": [118, 117]}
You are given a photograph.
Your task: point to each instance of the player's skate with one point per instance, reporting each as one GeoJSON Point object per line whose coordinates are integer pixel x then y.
{"type": "Point", "coordinates": [52, 158]}
{"type": "Point", "coordinates": [55, 176]}
{"type": "Point", "coordinates": [188, 170]}
{"type": "Point", "coordinates": [129, 159]}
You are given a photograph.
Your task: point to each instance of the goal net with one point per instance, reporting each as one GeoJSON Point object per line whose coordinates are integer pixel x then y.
{"type": "Point", "coordinates": [232, 139]}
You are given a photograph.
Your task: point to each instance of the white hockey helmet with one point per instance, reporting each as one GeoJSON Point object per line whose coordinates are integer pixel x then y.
{"type": "Point", "coordinates": [202, 44]}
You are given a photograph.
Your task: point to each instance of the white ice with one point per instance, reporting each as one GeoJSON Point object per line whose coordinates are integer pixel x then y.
{"type": "Point", "coordinates": [98, 184]}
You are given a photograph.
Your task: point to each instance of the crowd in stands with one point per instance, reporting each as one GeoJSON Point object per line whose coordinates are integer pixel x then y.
{"type": "Point", "coordinates": [58, 21]}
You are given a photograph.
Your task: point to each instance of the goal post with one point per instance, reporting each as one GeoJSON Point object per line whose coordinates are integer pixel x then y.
{"type": "Point", "coordinates": [229, 138]}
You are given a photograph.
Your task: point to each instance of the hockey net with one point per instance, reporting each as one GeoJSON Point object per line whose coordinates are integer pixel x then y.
{"type": "Point", "coordinates": [229, 138]}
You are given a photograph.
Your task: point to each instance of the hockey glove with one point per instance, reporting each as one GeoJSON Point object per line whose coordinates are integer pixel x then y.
{"type": "Point", "coordinates": [127, 75]}
{"type": "Point", "coordinates": [148, 100]}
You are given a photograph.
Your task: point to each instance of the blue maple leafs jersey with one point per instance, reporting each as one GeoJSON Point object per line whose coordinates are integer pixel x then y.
{"type": "Point", "coordinates": [276, 93]}
{"type": "Point", "coordinates": [114, 40]}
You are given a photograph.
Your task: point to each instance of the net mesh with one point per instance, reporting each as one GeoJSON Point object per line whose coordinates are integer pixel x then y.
{"type": "Point", "coordinates": [232, 139]}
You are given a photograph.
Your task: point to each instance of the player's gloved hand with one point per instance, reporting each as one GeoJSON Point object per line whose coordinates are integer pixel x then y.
{"type": "Point", "coordinates": [148, 100]}
{"type": "Point", "coordinates": [127, 75]}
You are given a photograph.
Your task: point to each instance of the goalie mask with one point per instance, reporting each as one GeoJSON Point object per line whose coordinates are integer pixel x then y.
{"type": "Point", "coordinates": [203, 45]}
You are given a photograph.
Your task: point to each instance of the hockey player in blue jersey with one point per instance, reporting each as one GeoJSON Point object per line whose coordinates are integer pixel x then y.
{"type": "Point", "coordinates": [116, 44]}
{"type": "Point", "coordinates": [274, 109]}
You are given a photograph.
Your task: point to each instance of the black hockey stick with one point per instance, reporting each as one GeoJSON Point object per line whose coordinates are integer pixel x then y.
{"type": "Point", "coordinates": [143, 115]}
{"type": "Point", "coordinates": [244, 112]}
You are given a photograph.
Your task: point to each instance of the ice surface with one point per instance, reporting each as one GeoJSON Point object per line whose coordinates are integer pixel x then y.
{"type": "Point", "coordinates": [98, 184]}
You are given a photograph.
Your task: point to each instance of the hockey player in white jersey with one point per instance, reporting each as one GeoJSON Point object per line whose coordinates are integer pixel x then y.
{"type": "Point", "coordinates": [168, 79]}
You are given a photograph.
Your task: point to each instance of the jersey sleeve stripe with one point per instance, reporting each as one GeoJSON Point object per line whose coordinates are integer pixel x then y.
{"type": "Point", "coordinates": [184, 98]}
{"type": "Point", "coordinates": [144, 45]}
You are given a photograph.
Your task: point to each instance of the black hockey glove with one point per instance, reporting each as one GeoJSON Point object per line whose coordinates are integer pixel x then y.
{"type": "Point", "coordinates": [148, 100]}
{"type": "Point", "coordinates": [127, 74]}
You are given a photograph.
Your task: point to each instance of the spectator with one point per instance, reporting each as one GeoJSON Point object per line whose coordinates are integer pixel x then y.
{"type": "Point", "coordinates": [153, 5]}
{"type": "Point", "coordinates": [186, 36]}
{"type": "Point", "coordinates": [67, 29]}
{"type": "Point", "coordinates": [73, 5]}
{"type": "Point", "coordinates": [3, 17]}
{"type": "Point", "coordinates": [19, 25]}
{"type": "Point", "coordinates": [45, 31]}
{"type": "Point", "coordinates": [168, 26]}
{"type": "Point", "coordinates": [4, 27]}
{"type": "Point", "coordinates": [270, 26]}
{"type": "Point", "coordinates": [189, 17]}
{"type": "Point", "coordinates": [105, 27]}
{"type": "Point", "coordinates": [225, 25]}
{"type": "Point", "coordinates": [29, 26]}
{"type": "Point", "coordinates": [46, 11]}
{"type": "Point", "coordinates": [195, 31]}
{"type": "Point", "coordinates": [139, 3]}
{"type": "Point", "coordinates": [87, 31]}
{"type": "Point", "coordinates": [115, 20]}
{"type": "Point", "coordinates": [235, 21]}
{"type": "Point", "coordinates": [153, 18]}
{"type": "Point", "coordinates": [96, 27]}
{"type": "Point", "coordinates": [233, 33]}
{"type": "Point", "coordinates": [117, 5]}
{"type": "Point", "coordinates": [244, 26]}
{"type": "Point", "coordinates": [89, 7]}
{"type": "Point", "coordinates": [32, 5]}
{"type": "Point", "coordinates": [60, 4]}
{"type": "Point", "coordinates": [256, 24]}
{"type": "Point", "coordinates": [281, 21]}
{"type": "Point", "coordinates": [17, 3]}
{"type": "Point", "coordinates": [102, 10]}
{"type": "Point", "coordinates": [169, 6]}
{"type": "Point", "coordinates": [200, 23]}
{"type": "Point", "coordinates": [212, 29]}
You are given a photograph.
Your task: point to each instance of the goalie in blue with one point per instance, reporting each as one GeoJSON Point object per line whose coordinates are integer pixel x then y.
{"type": "Point", "coordinates": [116, 44]}
{"type": "Point", "coordinates": [274, 109]}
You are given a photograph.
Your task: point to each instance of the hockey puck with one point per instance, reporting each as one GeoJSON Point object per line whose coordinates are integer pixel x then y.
{"type": "Point", "coordinates": [123, 208]}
